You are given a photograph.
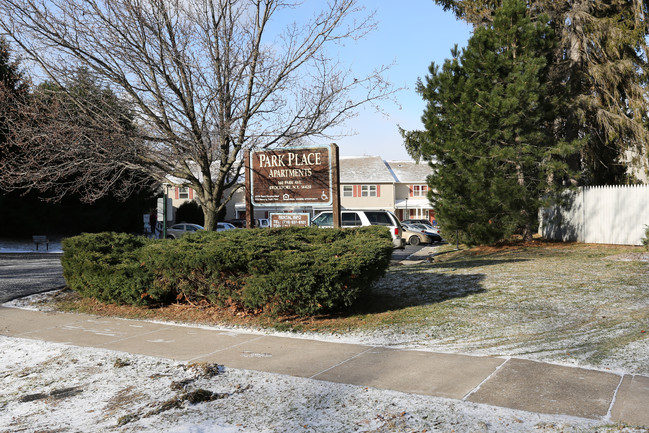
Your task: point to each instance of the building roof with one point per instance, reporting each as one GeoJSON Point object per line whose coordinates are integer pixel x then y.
{"type": "Point", "coordinates": [364, 169]}
{"type": "Point", "coordinates": [372, 169]}
{"type": "Point", "coordinates": [409, 171]}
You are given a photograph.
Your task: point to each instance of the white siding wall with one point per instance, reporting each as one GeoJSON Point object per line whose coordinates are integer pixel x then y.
{"type": "Point", "coordinates": [603, 215]}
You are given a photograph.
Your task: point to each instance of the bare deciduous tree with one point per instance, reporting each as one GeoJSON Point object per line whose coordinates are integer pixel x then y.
{"type": "Point", "coordinates": [208, 79]}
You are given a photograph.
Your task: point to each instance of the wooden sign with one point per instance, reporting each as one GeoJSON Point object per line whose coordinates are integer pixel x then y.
{"type": "Point", "coordinates": [290, 219]}
{"type": "Point", "coordinates": [292, 177]}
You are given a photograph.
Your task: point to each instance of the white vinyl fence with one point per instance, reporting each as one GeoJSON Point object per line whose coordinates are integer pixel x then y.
{"type": "Point", "coordinates": [600, 214]}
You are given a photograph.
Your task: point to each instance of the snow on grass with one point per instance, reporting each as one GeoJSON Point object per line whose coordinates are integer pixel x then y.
{"type": "Point", "coordinates": [574, 306]}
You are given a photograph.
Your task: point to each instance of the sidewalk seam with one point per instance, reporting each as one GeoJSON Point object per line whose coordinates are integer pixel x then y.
{"type": "Point", "coordinates": [485, 380]}
{"type": "Point", "coordinates": [343, 362]}
{"type": "Point", "coordinates": [119, 340]}
{"type": "Point", "coordinates": [610, 408]}
{"type": "Point", "coordinates": [227, 348]}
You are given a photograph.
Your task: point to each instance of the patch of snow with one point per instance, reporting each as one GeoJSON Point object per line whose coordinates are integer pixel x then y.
{"type": "Point", "coordinates": [56, 387]}
{"type": "Point", "coordinates": [25, 246]}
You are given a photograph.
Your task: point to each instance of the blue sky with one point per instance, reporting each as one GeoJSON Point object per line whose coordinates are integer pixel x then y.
{"type": "Point", "coordinates": [412, 34]}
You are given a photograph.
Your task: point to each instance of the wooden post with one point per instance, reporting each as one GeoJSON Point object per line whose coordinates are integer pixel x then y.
{"type": "Point", "coordinates": [335, 185]}
{"type": "Point", "coordinates": [250, 217]}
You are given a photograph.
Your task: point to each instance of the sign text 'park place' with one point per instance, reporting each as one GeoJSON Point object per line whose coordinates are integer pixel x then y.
{"type": "Point", "coordinates": [295, 176]}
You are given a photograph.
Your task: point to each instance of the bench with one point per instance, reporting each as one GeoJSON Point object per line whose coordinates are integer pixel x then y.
{"type": "Point", "coordinates": [40, 239]}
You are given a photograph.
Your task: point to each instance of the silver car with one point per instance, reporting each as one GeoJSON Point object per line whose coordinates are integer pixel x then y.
{"type": "Point", "coordinates": [179, 230]}
{"type": "Point", "coordinates": [221, 227]}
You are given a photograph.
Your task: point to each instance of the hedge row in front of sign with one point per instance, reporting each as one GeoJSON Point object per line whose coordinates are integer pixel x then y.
{"type": "Point", "coordinates": [302, 271]}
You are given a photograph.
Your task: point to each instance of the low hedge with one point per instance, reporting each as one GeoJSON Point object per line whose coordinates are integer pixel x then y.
{"type": "Point", "coordinates": [107, 266]}
{"type": "Point", "coordinates": [300, 271]}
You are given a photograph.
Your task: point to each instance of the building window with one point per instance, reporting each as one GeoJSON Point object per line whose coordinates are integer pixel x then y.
{"type": "Point", "coordinates": [419, 190]}
{"type": "Point", "coordinates": [368, 190]}
{"type": "Point", "coordinates": [348, 191]}
{"type": "Point", "coordinates": [183, 192]}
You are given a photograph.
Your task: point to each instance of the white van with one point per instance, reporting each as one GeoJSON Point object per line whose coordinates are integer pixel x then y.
{"type": "Point", "coordinates": [358, 218]}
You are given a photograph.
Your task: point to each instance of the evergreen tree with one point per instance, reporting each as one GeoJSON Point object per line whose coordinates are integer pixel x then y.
{"type": "Point", "coordinates": [599, 64]}
{"type": "Point", "coordinates": [73, 139]}
{"type": "Point", "coordinates": [14, 88]}
{"type": "Point", "coordinates": [47, 116]}
{"type": "Point", "coordinates": [489, 122]}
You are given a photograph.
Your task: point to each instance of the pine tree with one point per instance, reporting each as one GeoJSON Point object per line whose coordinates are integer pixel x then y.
{"type": "Point", "coordinates": [13, 88]}
{"type": "Point", "coordinates": [489, 119]}
{"type": "Point", "coordinates": [600, 65]}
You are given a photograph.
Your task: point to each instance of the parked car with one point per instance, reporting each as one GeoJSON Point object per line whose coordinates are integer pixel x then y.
{"type": "Point", "coordinates": [429, 231]}
{"type": "Point", "coordinates": [179, 230]}
{"type": "Point", "coordinates": [358, 218]}
{"type": "Point", "coordinates": [262, 223]}
{"type": "Point", "coordinates": [429, 226]}
{"type": "Point", "coordinates": [425, 222]}
{"type": "Point", "coordinates": [220, 227]}
{"type": "Point", "coordinates": [239, 223]}
{"type": "Point", "coordinates": [415, 237]}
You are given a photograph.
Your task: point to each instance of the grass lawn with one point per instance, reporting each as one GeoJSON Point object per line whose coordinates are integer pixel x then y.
{"type": "Point", "coordinates": [569, 303]}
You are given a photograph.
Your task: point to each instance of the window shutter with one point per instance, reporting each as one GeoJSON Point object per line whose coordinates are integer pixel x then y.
{"type": "Point", "coordinates": [191, 194]}
{"type": "Point", "coordinates": [410, 187]}
{"type": "Point", "coordinates": [378, 190]}
{"type": "Point", "coordinates": [177, 190]}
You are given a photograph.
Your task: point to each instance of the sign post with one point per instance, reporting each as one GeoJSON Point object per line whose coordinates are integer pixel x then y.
{"type": "Point", "coordinates": [335, 174]}
{"type": "Point", "coordinates": [250, 217]}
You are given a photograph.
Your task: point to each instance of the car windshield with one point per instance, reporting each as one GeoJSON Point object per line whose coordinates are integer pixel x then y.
{"type": "Point", "coordinates": [324, 219]}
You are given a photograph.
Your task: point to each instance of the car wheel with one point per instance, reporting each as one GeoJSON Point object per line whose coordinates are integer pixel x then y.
{"type": "Point", "coordinates": [414, 240]}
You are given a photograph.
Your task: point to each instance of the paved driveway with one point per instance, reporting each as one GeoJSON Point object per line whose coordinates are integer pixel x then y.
{"type": "Point", "coordinates": [26, 274]}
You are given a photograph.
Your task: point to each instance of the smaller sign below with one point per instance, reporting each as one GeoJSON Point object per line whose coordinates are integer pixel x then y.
{"type": "Point", "coordinates": [290, 219]}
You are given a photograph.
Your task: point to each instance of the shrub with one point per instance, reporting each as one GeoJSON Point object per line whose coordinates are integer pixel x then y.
{"type": "Point", "coordinates": [290, 270]}
{"type": "Point", "coordinates": [190, 212]}
{"type": "Point", "coordinates": [645, 240]}
{"type": "Point", "coordinates": [106, 266]}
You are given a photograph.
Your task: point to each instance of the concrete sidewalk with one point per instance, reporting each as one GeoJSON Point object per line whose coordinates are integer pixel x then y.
{"type": "Point", "coordinates": [506, 382]}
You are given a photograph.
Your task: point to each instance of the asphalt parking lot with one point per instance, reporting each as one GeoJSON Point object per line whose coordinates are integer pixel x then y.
{"type": "Point", "coordinates": [29, 273]}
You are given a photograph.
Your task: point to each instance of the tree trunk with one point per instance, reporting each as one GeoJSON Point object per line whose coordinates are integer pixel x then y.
{"type": "Point", "coordinates": [527, 233]}
{"type": "Point", "coordinates": [211, 216]}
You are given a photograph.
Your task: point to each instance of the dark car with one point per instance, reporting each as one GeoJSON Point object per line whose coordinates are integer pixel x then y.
{"type": "Point", "coordinates": [239, 223]}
